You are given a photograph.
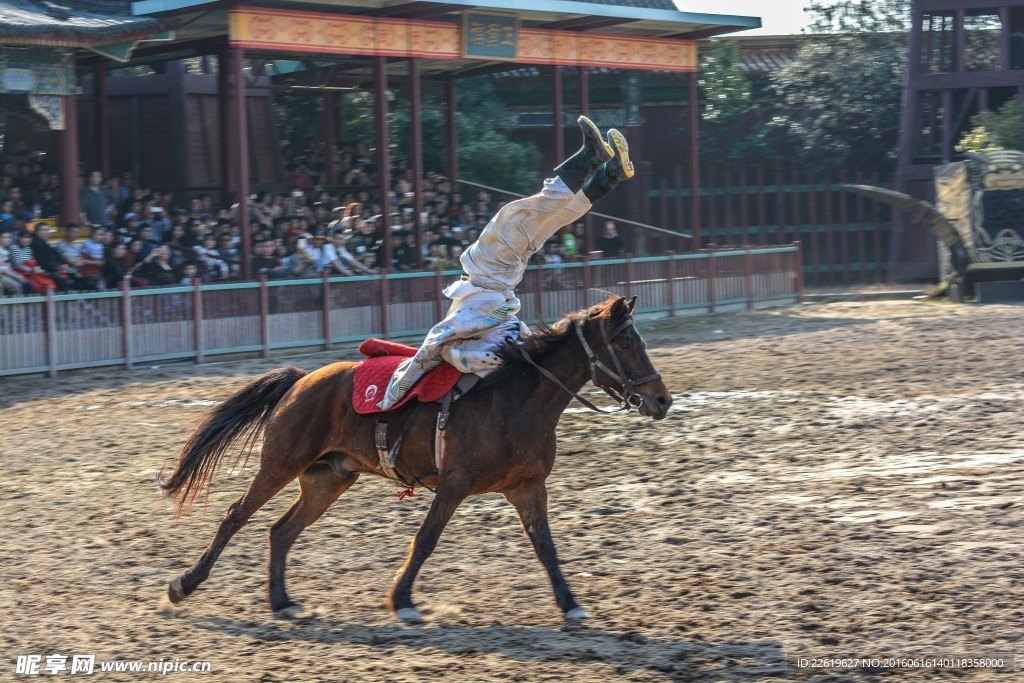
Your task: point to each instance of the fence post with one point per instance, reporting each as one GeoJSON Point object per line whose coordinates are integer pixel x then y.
{"type": "Point", "coordinates": [629, 274]}
{"type": "Point", "coordinates": [670, 276]}
{"type": "Point", "coordinates": [438, 295]}
{"type": "Point", "coordinates": [748, 266]}
{"type": "Point", "coordinates": [586, 278]}
{"type": "Point", "coordinates": [540, 292]}
{"type": "Point", "coordinates": [798, 256]}
{"type": "Point", "coordinates": [197, 319]}
{"type": "Point", "coordinates": [712, 277]}
{"type": "Point", "coordinates": [264, 292]}
{"type": "Point", "coordinates": [325, 308]}
{"type": "Point", "coordinates": [384, 300]}
{"type": "Point", "coordinates": [50, 313]}
{"type": "Point", "coordinates": [126, 322]}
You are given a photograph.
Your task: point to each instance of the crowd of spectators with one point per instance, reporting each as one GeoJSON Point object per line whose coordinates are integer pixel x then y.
{"type": "Point", "coordinates": [129, 232]}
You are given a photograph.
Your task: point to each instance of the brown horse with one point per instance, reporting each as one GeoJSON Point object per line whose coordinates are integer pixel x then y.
{"type": "Point", "coordinates": [501, 438]}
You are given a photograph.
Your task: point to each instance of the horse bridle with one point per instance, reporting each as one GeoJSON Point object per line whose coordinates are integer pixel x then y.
{"type": "Point", "coordinates": [628, 399]}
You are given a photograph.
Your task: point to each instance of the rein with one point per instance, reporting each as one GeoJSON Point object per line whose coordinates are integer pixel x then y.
{"type": "Point", "coordinates": [628, 399]}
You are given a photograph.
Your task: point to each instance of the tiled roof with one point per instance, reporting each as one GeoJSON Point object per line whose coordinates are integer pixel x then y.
{"type": "Point", "coordinates": [71, 23]}
{"type": "Point", "coordinates": [645, 4]}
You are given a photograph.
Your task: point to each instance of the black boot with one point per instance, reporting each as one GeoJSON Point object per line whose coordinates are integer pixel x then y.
{"type": "Point", "coordinates": [613, 171]}
{"type": "Point", "coordinates": [575, 170]}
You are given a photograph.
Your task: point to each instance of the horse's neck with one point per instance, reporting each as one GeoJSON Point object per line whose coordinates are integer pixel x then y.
{"type": "Point", "coordinates": [569, 365]}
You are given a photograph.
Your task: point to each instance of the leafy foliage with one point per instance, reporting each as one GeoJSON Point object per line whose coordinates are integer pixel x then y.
{"type": "Point", "coordinates": [728, 97]}
{"type": "Point", "coordinates": [839, 99]}
{"type": "Point", "coordinates": [1002, 129]}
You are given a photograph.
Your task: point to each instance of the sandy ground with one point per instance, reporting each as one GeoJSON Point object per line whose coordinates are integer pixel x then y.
{"type": "Point", "coordinates": [839, 480]}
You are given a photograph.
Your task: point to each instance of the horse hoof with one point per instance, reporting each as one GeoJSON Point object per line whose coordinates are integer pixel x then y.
{"type": "Point", "coordinates": [293, 612]}
{"type": "Point", "coordinates": [409, 615]}
{"type": "Point", "coordinates": [175, 592]}
{"type": "Point", "coordinates": [576, 614]}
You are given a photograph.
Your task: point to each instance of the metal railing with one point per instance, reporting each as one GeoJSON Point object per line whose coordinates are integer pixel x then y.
{"type": "Point", "coordinates": [46, 334]}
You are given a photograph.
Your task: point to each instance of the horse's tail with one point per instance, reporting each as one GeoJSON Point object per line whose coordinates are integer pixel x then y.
{"type": "Point", "coordinates": [243, 416]}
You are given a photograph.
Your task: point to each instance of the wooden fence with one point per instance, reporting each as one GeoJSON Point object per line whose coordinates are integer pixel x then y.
{"type": "Point", "coordinates": [68, 331]}
{"type": "Point", "coordinates": [845, 236]}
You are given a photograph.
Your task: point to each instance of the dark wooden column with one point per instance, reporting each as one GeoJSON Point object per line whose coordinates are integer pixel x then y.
{"type": "Point", "coordinates": [694, 164]}
{"type": "Point", "coordinates": [68, 163]}
{"type": "Point", "coordinates": [588, 220]}
{"type": "Point", "coordinates": [329, 123]}
{"type": "Point", "coordinates": [416, 153]}
{"type": "Point", "coordinates": [102, 120]}
{"type": "Point", "coordinates": [240, 147]}
{"type": "Point", "coordinates": [452, 129]}
{"type": "Point", "coordinates": [556, 113]}
{"type": "Point", "coordinates": [224, 122]}
{"type": "Point", "coordinates": [380, 106]}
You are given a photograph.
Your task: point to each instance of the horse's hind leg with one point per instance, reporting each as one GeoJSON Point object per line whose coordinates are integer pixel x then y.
{"type": "Point", "coordinates": [531, 502]}
{"type": "Point", "coordinates": [319, 487]}
{"type": "Point", "coordinates": [399, 600]}
{"type": "Point", "coordinates": [263, 487]}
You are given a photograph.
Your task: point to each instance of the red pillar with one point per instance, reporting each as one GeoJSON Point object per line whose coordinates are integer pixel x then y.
{"type": "Point", "coordinates": [588, 220]}
{"type": "Point", "coordinates": [70, 211]}
{"type": "Point", "coordinates": [224, 121]}
{"type": "Point", "coordinates": [694, 165]}
{"type": "Point", "coordinates": [329, 121]}
{"type": "Point", "coordinates": [556, 113]}
{"type": "Point", "coordinates": [240, 128]}
{"type": "Point", "coordinates": [102, 120]}
{"type": "Point", "coordinates": [452, 128]}
{"type": "Point", "coordinates": [416, 140]}
{"type": "Point", "coordinates": [380, 106]}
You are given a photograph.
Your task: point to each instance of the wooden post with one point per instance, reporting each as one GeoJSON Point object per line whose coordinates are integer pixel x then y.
{"type": "Point", "coordinates": [556, 112]}
{"type": "Point", "coordinates": [539, 289]}
{"type": "Point", "coordinates": [126, 323]}
{"type": "Point", "coordinates": [780, 207]}
{"type": "Point", "coordinates": [380, 101]}
{"type": "Point", "coordinates": [712, 277]}
{"type": "Point", "coordinates": [694, 163]}
{"type": "Point", "coordinates": [588, 220]}
{"type": "Point", "coordinates": [50, 313]}
{"type": "Point", "coordinates": [325, 308]}
{"type": "Point", "coordinates": [241, 153]}
{"type": "Point", "coordinates": [385, 299]}
{"type": "Point", "coordinates": [762, 209]}
{"type": "Point", "coordinates": [587, 277]}
{"type": "Point", "coordinates": [416, 141]}
{"type": "Point", "coordinates": [102, 120]}
{"type": "Point", "coordinates": [67, 160]}
{"type": "Point", "coordinates": [812, 219]}
{"type": "Point", "coordinates": [330, 117]}
{"type": "Point", "coordinates": [670, 276]}
{"type": "Point", "coordinates": [438, 295]}
{"type": "Point", "coordinates": [197, 318]}
{"type": "Point", "coordinates": [224, 121]}
{"type": "Point", "coordinates": [748, 267]}
{"type": "Point", "coordinates": [798, 258]}
{"type": "Point", "coordinates": [452, 129]}
{"type": "Point", "coordinates": [878, 236]}
{"type": "Point", "coordinates": [264, 317]}
{"type": "Point", "coordinates": [862, 250]}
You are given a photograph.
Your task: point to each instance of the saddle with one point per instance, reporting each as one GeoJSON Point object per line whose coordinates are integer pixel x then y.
{"type": "Point", "coordinates": [373, 374]}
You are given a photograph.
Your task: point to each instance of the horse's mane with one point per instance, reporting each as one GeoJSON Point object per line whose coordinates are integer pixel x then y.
{"type": "Point", "coordinates": [543, 341]}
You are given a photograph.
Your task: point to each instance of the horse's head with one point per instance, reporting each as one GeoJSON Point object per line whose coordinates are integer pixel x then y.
{"type": "Point", "coordinates": [618, 357]}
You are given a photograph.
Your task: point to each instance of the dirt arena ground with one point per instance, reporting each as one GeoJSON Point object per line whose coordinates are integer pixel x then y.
{"type": "Point", "coordinates": [835, 481]}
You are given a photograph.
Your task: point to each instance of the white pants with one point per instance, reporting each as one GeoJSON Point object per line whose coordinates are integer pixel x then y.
{"type": "Point", "coordinates": [484, 310]}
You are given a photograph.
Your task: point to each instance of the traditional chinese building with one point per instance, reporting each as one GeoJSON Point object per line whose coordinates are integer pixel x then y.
{"type": "Point", "coordinates": [206, 132]}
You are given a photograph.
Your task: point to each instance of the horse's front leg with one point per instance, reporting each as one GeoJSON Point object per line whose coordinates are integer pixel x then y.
{"type": "Point", "coordinates": [399, 600]}
{"type": "Point", "coordinates": [531, 502]}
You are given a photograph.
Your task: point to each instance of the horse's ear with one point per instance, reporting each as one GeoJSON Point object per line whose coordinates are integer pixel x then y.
{"type": "Point", "coordinates": [622, 306]}
{"type": "Point", "coordinates": [631, 304]}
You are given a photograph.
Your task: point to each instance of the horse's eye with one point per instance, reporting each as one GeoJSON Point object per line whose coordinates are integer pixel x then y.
{"type": "Point", "coordinates": [625, 343]}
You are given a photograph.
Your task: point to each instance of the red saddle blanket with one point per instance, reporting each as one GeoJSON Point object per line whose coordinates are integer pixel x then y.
{"type": "Point", "coordinates": [374, 373]}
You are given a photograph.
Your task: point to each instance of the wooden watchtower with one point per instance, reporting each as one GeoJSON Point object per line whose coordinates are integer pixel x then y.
{"type": "Point", "coordinates": [966, 57]}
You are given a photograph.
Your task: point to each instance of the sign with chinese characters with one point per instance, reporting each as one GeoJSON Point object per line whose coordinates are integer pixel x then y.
{"type": "Point", "coordinates": [294, 31]}
{"type": "Point", "coordinates": [490, 36]}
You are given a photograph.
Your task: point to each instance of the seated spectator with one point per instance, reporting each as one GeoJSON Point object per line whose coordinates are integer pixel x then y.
{"type": "Point", "coordinates": [405, 256]}
{"type": "Point", "coordinates": [70, 251]}
{"type": "Point", "coordinates": [212, 266]}
{"type": "Point", "coordinates": [610, 242]}
{"type": "Point", "coordinates": [157, 267]}
{"type": "Point", "coordinates": [265, 263]}
{"type": "Point", "coordinates": [49, 259]}
{"type": "Point", "coordinates": [23, 261]}
{"type": "Point", "coordinates": [189, 273]}
{"type": "Point", "coordinates": [92, 258]}
{"type": "Point", "coordinates": [346, 263]}
{"type": "Point", "coordinates": [11, 282]}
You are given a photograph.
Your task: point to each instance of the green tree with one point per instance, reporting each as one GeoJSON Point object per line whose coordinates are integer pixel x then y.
{"type": "Point", "coordinates": [1001, 129]}
{"type": "Point", "coordinates": [487, 154]}
{"type": "Point", "coordinates": [839, 99]}
{"type": "Point", "coordinates": [728, 102]}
